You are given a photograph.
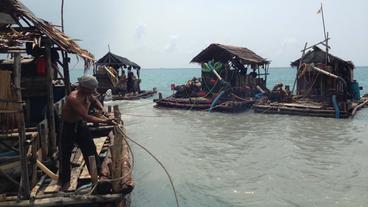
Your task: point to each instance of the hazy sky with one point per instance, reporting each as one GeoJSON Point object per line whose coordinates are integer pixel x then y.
{"type": "Point", "coordinates": [169, 33]}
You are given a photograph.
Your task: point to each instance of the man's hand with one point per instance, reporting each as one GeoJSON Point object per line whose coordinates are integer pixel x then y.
{"type": "Point", "coordinates": [105, 113]}
{"type": "Point", "coordinates": [110, 121]}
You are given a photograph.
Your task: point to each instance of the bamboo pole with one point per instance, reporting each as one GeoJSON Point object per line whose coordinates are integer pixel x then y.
{"type": "Point", "coordinates": [327, 57]}
{"type": "Point", "coordinates": [50, 99]}
{"type": "Point", "coordinates": [297, 70]}
{"type": "Point", "coordinates": [323, 21]}
{"type": "Point", "coordinates": [322, 42]}
{"type": "Point", "coordinates": [66, 61]}
{"type": "Point", "coordinates": [24, 190]}
{"type": "Point", "coordinates": [62, 15]}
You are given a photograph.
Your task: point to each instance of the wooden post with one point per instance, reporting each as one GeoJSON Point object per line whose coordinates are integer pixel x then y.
{"type": "Point", "coordinates": [43, 134]}
{"type": "Point", "coordinates": [327, 58]}
{"type": "Point", "coordinates": [66, 61]}
{"type": "Point", "coordinates": [297, 70]}
{"type": "Point", "coordinates": [116, 156]}
{"type": "Point", "coordinates": [117, 114]}
{"type": "Point", "coordinates": [62, 15]}
{"type": "Point", "coordinates": [34, 159]}
{"type": "Point", "coordinates": [24, 190]}
{"type": "Point", "coordinates": [50, 99]}
{"type": "Point", "coordinates": [128, 184]}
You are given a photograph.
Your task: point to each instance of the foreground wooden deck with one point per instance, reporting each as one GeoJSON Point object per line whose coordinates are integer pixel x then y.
{"type": "Point", "coordinates": [111, 188]}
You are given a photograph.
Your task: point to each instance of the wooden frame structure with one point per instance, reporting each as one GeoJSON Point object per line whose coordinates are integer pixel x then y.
{"type": "Point", "coordinates": [325, 87]}
{"type": "Point", "coordinates": [234, 65]}
{"type": "Point", "coordinates": [110, 73]}
{"type": "Point", "coordinates": [21, 32]}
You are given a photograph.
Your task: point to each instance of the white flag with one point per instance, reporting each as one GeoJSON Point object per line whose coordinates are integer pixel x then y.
{"type": "Point", "coordinates": [319, 10]}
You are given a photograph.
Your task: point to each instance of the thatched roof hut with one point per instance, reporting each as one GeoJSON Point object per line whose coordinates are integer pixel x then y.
{"type": "Point", "coordinates": [116, 61]}
{"type": "Point", "coordinates": [30, 29]}
{"type": "Point", "coordinates": [318, 56]}
{"type": "Point", "coordinates": [333, 76]}
{"type": "Point", "coordinates": [224, 53]}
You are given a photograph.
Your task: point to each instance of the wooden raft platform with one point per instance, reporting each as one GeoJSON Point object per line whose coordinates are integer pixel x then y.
{"type": "Point", "coordinates": [301, 109]}
{"type": "Point", "coordinates": [200, 103]}
{"type": "Point", "coordinates": [143, 94]}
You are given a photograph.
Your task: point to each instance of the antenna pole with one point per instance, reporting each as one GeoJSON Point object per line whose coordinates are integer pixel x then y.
{"type": "Point", "coordinates": [62, 15]}
{"type": "Point", "coordinates": [326, 34]}
{"type": "Point", "coordinates": [323, 21]}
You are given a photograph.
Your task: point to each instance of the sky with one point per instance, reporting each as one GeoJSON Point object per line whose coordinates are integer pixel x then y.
{"type": "Point", "coordinates": [169, 33]}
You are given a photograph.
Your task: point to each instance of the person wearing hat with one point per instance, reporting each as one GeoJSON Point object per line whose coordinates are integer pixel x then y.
{"type": "Point", "coordinates": [74, 117]}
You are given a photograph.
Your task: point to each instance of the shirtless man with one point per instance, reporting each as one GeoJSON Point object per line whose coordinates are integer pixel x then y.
{"type": "Point", "coordinates": [74, 116]}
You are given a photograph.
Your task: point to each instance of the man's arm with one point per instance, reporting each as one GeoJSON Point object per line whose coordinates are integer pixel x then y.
{"type": "Point", "coordinates": [97, 103]}
{"type": "Point", "coordinates": [82, 112]}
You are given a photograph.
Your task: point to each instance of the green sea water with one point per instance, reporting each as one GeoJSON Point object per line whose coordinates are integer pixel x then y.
{"type": "Point", "coordinates": [245, 159]}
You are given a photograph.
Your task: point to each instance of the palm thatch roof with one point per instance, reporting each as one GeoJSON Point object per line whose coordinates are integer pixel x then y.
{"type": "Point", "coordinates": [317, 55]}
{"type": "Point", "coordinates": [116, 61]}
{"type": "Point", "coordinates": [31, 28]}
{"type": "Point", "coordinates": [224, 53]}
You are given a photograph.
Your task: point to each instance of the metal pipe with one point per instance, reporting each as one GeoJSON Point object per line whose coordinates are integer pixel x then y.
{"type": "Point", "coordinates": [216, 74]}
{"type": "Point", "coordinates": [329, 74]}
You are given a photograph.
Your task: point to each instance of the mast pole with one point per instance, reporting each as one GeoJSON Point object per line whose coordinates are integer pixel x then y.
{"type": "Point", "coordinates": [323, 21]}
{"type": "Point", "coordinates": [62, 15]}
{"type": "Point", "coordinates": [325, 34]}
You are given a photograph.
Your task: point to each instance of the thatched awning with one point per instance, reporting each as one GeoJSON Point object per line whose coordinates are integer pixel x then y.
{"type": "Point", "coordinates": [224, 53]}
{"type": "Point", "coordinates": [116, 61]}
{"type": "Point", "coordinates": [317, 55]}
{"type": "Point", "coordinates": [31, 27]}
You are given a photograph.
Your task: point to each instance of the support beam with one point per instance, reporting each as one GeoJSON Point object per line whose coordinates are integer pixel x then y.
{"type": "Point", "coordinates": [50, 98]}
{"type": "Point", "coordinates": [24, 190]}
{"type": "Point", "coordinates": [66, 61]}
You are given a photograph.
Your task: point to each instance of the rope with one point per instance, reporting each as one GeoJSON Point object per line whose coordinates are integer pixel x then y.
{"type": "Point", "coordinates": [153, 156]}
{"type": "Point", "coordinates": [137, 106]}
{"type": "Point", "coordinates": [139, 115]}
{"type": "Point", "coordinates": [125, 137]}
{"type": "Point", "coordinates": [358, 107]}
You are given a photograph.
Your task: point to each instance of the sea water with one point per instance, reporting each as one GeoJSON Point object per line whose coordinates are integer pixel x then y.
{"type": "Point", "coordinates": [244, 159]}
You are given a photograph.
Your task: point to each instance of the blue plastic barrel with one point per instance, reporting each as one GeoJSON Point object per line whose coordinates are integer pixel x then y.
{"type": "Point", "coordinates": [356, 90]}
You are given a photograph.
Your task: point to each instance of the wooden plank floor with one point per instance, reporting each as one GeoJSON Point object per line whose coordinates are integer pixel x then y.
{"type": "Point", "coordinates": [99, 142]}
{"type": "Point", "coordinates": [78, 167]}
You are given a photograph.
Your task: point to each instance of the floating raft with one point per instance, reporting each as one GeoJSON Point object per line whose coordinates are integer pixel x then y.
{"type": "Point", "coordinates": [201, 103]}
{"type": "Point", "coordinates": [142, 94]}
{"type": "Point", "coordinates": [306, 109]}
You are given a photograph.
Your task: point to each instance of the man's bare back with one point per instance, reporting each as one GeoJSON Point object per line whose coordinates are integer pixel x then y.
{"type": "Point", "coordinates": [77, 105]}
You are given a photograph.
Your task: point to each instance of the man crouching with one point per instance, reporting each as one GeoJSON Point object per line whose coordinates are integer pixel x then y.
{"type": "Point", "coordinates": [74, 116]}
